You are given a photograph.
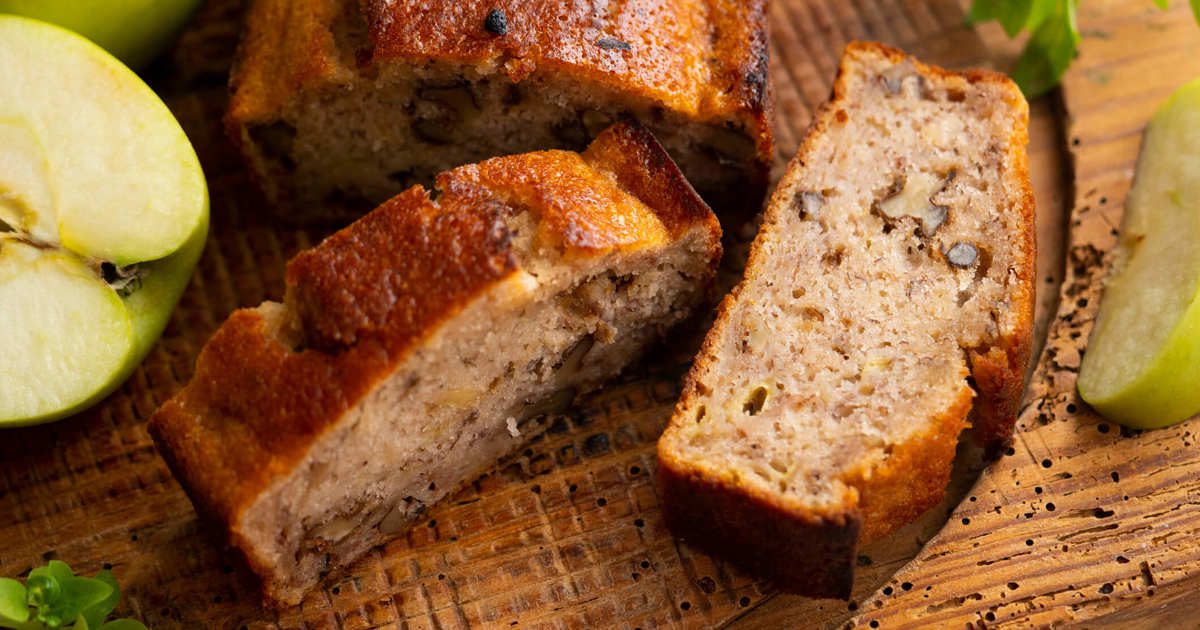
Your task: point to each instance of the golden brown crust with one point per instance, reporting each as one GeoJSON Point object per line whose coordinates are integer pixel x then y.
{"type": "Point", "coordinates": [999, 376]}
{"type": "Point", "coordinates": [286, 47]}
{"type": "Point", "coordinates": [751, 528]}
{"type": "Point", "coordinates": [642, 167]}
{"type": "Point", "coordinates": [738, 521]}
{"type": "Point", "coordinates": [822, 567]}
{"type": "Point", "coordinates": [255, 405]}
{"type": "Point", "coordinates": [264, 390]}
{"type": "Point", "coordinates": [914, 476]}
{"type": "Point", "coordinates": [690, 56]}
{"type": "Point", "coordinates": [999, 371]}
{"type": "Point", "coordinates": [359, 282]}
{"type": "Point", "coordinates": [704, 61]}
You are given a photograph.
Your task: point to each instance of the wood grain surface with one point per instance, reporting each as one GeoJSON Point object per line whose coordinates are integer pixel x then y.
{"type": "Point", "coordinates": [568, 533]}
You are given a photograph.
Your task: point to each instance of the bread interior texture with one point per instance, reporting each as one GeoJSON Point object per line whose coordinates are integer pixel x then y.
{"type": "Point", "coordinates": [480, 387]}
{"type": "Point", "coordinates": [347, 149]}
{"type": "Point", "coordinates": [889, 253]}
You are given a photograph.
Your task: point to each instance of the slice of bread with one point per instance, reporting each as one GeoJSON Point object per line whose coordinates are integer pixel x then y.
{"type": "Point", "coordinates": [894, 269]}
{"type": "Point", "coordinates": [428, 339]}
{"type": "Point", "coordinates": [340, 104]}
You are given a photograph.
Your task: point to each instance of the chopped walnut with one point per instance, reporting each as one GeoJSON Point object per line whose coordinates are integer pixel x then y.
{"type": "Point", "coordinates": [903, 79]}
{"type": "Point", "coordinates": [962, 255]}
{"type": "Point", "coordinates": [912, 196]}
{"type": "Point", "coordinates": [808, 203]}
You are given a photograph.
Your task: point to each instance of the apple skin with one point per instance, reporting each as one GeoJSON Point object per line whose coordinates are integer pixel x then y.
{"type": "Point", "coordinates": [159, 223]}
{"type": "Point", "coordinates": [1169, 391]}
{"type": "Point", "coordinates": [134, 31]}
{"type": "Point", "coordinates": [1142, 365]}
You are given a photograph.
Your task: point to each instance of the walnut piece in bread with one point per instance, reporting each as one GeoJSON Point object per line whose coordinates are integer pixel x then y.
{"type": "Point", "coordinates": [894, 268]}
{"type": "Point", "coordinates": [339, 104]}
{"type": "Point", "coordinates": [425, 341]}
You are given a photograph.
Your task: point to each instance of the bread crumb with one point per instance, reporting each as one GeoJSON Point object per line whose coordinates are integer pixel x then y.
{"type": "Point", "coordinates": [512, 427]}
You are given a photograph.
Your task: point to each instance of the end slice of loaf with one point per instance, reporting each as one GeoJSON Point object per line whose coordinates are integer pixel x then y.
{"type": "Point", "coordinates": [894, 268]}
{"type": "Point", "coordinates": [428, 339]}
{"type": "Point", "coordinates": [340, 104]}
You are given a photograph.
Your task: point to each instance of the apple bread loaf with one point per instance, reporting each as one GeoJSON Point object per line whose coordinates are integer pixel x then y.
{"type": "Point", "coordinates": [893, 272]}
{"type": "Point", "coordinates": [428, 339]}
{"type": "Point", "coordinates": [339, 104]}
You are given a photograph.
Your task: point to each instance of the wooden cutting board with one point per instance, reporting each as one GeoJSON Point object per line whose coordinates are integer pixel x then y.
{"type": "Point", "coordinates": [568, 533]}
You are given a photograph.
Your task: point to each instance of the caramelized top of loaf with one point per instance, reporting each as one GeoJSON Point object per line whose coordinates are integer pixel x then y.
{"type": "Point", "coordinates": [705, 59]}
{"type": "Point", "coordinates": [272, 380]}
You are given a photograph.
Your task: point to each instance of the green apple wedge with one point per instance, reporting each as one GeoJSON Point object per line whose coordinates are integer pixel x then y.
{"type": "Point", "coordinates": [1142, 365]}
{"type": "Point", "coordinates": [103, 216]}
{"type": "Point", "coordinates": [135, 31]}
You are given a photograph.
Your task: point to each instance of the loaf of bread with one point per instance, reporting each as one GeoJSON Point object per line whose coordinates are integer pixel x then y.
{"type": "Point", "coordinates": [340, 104]}
{"type": "Point", "coordinates": [428, 339]}
{"type": "Point", "coordinates": [889, 291]}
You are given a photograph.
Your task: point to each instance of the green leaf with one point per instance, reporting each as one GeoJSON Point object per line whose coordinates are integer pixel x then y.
{"type": "Point", "coordinates": [56, 569]}
{"type": "Point", "coordinates": [1049, 52]}
{"type": "Point", "coordinates": [985, 11]}
{"type": "Point", "coordinates": [1055, 38]}
{"type": "Point", "coordinates": [87, 592]}
{"type": "Point", "coordinates": [123, 624]}
{"type": "Point", "coordinates": [13, 604]}
{"type": "Point", "coordinates": [54, 597]}
{"type": "Point", "coordinates": [96, 613]}
{"type": "Point", "coordinates": [1012, 14]}
{"type": "Point", "coordinates": [41, 589]}
{"type": "Point", "coordinates": [110, 603]}
{"type": "Point", "coordinates": [80, 593]}
{"type": "Point", "coordinates": [1041, 11]}
{"type": "Point", "coordinates": [60, 570]}
{"type": "Point", "coordinates": [1017, 16]}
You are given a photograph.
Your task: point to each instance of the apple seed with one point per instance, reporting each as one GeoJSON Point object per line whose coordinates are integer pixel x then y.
{"type": "Point", "coordinates": [124, 280]}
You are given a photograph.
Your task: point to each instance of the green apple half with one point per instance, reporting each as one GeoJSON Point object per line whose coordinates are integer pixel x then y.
{"type": "Point", "coordinates": [103, 215]}
{"type": "Point", "coordinates": [1142, 366]}
{"type": "Point", "coordinates": [133, 30]}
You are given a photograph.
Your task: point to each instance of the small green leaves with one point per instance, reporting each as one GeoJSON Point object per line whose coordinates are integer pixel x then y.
{"type": "Point", "coordinates": [123, 624]}
{"type": "Point", "coordinates": [1055, 39]}
{"type": "Point", "coordinates": [12, 600]}
{"type": "Point", "coordinates": [95, 614]}
{"type": "Point", "coordinates": [1014, 15]}
{"type": "Point", "coordinates": [54, 597]}
{"type": "Point", "coordinates": [43, 590]}
{"type": "Point", "coordinates": [78, 594]}
{"type": "Point", "coordinates": [1049, 52]}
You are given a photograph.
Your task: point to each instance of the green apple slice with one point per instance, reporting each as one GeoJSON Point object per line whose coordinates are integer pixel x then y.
{"type": "Point", "coordinates": [26, 200]}
{"type": "Point", "coordinates": [158, 288]}
{"type": "Point", "coordinates": [135, 31]}
{"type": "Point", "coordinates": [68, 340]}
{"type": "Point", "coordinates": [109, 141]}
{"type": "Point", "coordinates": [103, 216]}
{"type": "Point", "coordinates": [1142, 366]}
